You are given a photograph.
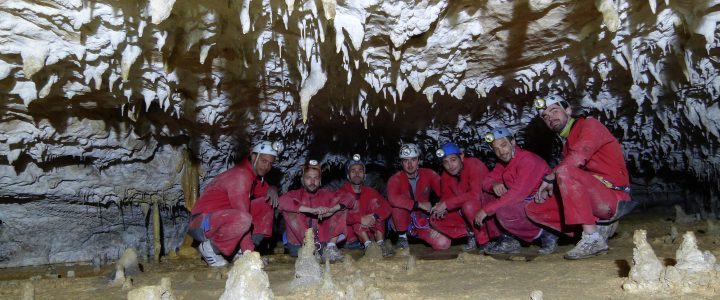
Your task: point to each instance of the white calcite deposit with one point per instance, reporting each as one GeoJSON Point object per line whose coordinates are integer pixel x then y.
{"type": "Point", "coordinates": [307, 268]}
{"type": "Point", "coordinates": [247, 280]}
{"type": "Point", "coordinates": [695, 271]}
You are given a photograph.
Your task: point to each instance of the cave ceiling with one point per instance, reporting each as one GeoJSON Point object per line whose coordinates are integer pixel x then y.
{"type": "Point", "coordinates": [106, 100]}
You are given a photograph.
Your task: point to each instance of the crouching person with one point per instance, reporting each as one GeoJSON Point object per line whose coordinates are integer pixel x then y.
{"type": "Point", "coordinates": [514, 182]}
{"type": "Point", "coordinates": [461, 198]}
{"type": "Point", "coordinates": [314, 207]}
{"type": "Point", "coordinates": [591, 181]}
{"type": "Point", "coordinates": [223, 215]}
{"type": "Point", "coordinates": [410, 192]}
{"type": "Point", "coordinates": [367, 219]}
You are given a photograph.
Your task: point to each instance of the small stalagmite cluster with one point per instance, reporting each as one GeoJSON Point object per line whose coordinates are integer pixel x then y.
{"type": "Point", "coordinates": [695, 271]}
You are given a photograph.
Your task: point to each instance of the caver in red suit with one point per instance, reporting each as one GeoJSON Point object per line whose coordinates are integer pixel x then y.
{"type": "Point", "coordinates": [590, 150]}
{"type": "Point", "coordinates": [404, 202]}
{"type": "Point", "coordinates": [296, 222]}
{"type": "Point", "coordinates": [368, 202]}
{"type": "Point", "coordinates": [226, 213]}
{"type": "Point", "coordinates": [463, 193]}
{"type": "Point", "coordinates": [521, 176]}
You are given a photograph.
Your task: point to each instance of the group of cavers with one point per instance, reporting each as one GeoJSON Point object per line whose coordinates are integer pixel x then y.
{"type": "Point", "coordinates": [522, 201]}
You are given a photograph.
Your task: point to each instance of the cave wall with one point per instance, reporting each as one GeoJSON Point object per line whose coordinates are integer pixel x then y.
{"type": "Point", "coordinates": [106, 104]}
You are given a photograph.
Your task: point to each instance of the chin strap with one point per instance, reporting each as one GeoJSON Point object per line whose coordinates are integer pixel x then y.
{"type": "Point", "coordinates": [566, 131]}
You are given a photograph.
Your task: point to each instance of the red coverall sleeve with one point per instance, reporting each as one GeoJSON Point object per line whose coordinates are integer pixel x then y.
{"type": "Point", "coordinates": [396, 194]}
{"type": "Point", "coordinates": [587, 143]}
{"type": "Point", "coordinates": [239, 192]}
{"type": "Point", "coordinates": [384, 210]}
{"type": "Point", "coordinates": [477, 172]}
{"type": "Point", "coordinates": [495, 176]}
{"type": "Point", "coordinates": [435, 182]}
{"type": "Point", "coordinates": [344, 198]}
{"type": "Point", "coordinates": [528, 177]}
{"type": "Point", "coordinates": [354, 215]}
{"type": "Point", "coordinates": [289, 202]}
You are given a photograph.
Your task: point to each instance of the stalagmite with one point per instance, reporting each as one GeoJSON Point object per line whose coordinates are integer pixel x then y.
{"type": "Point", "coordinates": [536, 295]}
{"type": "Point", "coordinates": [646, 267]}
{"type": "Point", "coordinates": [695, 271]}
{"type": "Point", "coordinates": [126, 266]}
{"type": "Point", "coordinates": [247, 280]}
{"type": "Point", "coordinates": [373, 253]}
{"type": "Point", "coordinates": [410, 264]}
{"type": "Point", "coordinates": [681, 217]}
{"type": "Point", "coordinates": [307, 269]}
{"type": "Point", "coordinates": [28, 291]}
{"type": "Point", "coordinates": [690, 258]}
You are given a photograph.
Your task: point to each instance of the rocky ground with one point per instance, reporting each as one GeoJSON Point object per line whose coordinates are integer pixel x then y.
{"type": "Point", "coordinates": [422, 275]}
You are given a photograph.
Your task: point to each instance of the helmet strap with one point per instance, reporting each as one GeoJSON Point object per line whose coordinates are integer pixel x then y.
{"type": "Point", "coordinates": [566, 131]}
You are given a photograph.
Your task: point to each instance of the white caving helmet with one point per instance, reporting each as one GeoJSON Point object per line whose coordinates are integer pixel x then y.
{"type": "Point", "coordinates": [267, 147]}
{"type": "Point", "coordinates": [409, 151]}
{"type": "Point", "coordinates": [542, 103]}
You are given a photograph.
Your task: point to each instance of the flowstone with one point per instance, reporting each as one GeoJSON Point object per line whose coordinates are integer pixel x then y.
{"type": "Point", "coordinates": [695, 271]}
{"type": "Point", "coordinates": [307, 269]}
{"type": "Point", "coordinates": [247, 280]}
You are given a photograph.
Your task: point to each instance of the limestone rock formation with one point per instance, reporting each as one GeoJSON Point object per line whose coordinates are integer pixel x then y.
{"type": "Point", "coordinates": [126, 266]}
{"type": "Point", "coordinates": [163, 291]}
{"type": "Point", "coordinates": [695, 271]}
{"type": "Point", "coordinates": [247, 280]}
{"type": "Point", "coordinates": [691, 259]}
{"type": "Point", "coordinates": [536, 295]}
{"type": "Point", "coordinates": [646, 267]}
{"type": "Point", "coordinates": [307, 268]}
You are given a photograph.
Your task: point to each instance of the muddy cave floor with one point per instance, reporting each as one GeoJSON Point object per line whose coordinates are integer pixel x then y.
{"type": "Point", "coordinates": [437, 275]}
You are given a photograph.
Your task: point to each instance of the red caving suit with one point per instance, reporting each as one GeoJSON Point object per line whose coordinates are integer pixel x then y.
{"type": "Point", "coordinates": [463, 193]}
{"type": "Point", "coordinates": [521, 176]}
{"type": "Point", "coordinates": [368, 202]}
{"type": "Point", "coordinates": [404, 202]}
{"type": "Point", "coordinates": [296, 222]}
{"type": "Point", "coordinates": [226, 200]}
{"type": "Point", "coordinates": [590, 150]}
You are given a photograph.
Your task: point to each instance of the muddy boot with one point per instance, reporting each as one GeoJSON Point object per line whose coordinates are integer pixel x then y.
{"type": "Point", "coordinates": [548, 242]}
{"type": "Point", "coordinates": [402, 243]}
{"type": "Point", "coordinates": [505, 244]}
{"type": "Point", "coordinates": [208, 254]}
{"type": "Point", "coordinates": [488, 245]}
{"type": "Point", "coordinates": [471, 244]}
{"type": "Point", "coordinates": [607, 231]}
{"type": "Point", "coordinates": [354, 245]}
{"type": "Point", "coordinates": [590, 245]}
{"type": "Point", "coordinates": [387, 249]}
{"type": "Point", "coordinates": [332, 254]}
